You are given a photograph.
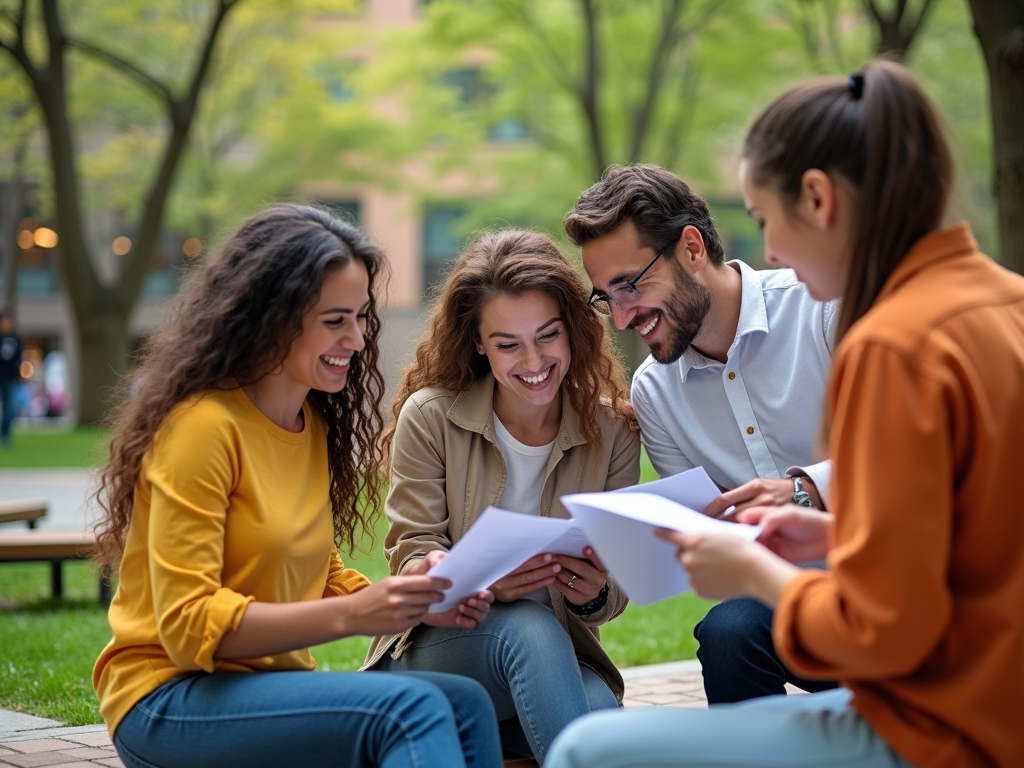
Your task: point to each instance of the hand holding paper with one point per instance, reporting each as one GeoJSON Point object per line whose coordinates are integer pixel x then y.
{"type": "Point", "coordinates": [621, 527]}
{"type": "Point", "coordinates": [498, 543]}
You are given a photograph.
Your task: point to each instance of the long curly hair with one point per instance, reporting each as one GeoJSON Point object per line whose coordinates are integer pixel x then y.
{"type": "Point", "coordinates": [512, 262]}
{"type": "Point", "coordinates": [232, 322]}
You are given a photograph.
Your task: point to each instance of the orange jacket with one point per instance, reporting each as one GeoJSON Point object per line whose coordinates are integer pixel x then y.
{"type": "Point", "coordinates": [922, 612]}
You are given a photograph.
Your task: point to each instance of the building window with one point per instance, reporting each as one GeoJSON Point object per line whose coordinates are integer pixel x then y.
{"type": "Point", "coordinates": [440, 244]}
{"type": "Point", "coordinates": [475, 92]}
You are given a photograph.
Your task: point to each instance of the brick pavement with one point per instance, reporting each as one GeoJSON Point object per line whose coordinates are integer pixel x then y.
{"type": "Point", "coordinates": [676, 684]}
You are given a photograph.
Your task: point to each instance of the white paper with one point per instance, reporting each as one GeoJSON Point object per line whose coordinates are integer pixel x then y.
{"type": "Point", "coordinates": [692, 488]}
{"type": "Point", "coordinates": [498, 543]}
{"type": "Point", "coordinates": [621, 525]}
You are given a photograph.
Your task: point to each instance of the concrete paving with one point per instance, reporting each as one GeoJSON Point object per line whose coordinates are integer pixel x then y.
{"type": "Point", "coordinates": [67, 490]}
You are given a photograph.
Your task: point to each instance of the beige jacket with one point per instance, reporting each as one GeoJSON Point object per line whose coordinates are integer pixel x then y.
{"type": "Point", "coordinates": [446, 468]}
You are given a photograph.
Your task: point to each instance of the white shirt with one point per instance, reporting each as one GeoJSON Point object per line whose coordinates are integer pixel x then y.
{"type": "Point", "coordinates": [758, 414]}
{"type": "Point", "coordinates": [527, 467]}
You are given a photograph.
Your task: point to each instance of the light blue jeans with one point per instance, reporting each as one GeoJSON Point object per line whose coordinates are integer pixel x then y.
{"type": "Point", "coordinates": [819, 730]}
{"type": "Point", "coordinates": [311, 719]}
{"type": "Point", "coordinates": [526, 661]}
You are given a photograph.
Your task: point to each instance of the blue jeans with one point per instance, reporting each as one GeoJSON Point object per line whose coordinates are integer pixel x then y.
{"type": "Point", "coordinates": [273, 719]}
{"type": "Point", "coordinates": [821, 730]}
{"type": "Point", "coordinates": [737, 655]}
{"type": "Point", "coordinates": [526, 661]}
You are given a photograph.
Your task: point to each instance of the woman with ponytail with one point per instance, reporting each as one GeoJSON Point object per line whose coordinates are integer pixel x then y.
{"type": "Point", "coordinates": [920, 612]}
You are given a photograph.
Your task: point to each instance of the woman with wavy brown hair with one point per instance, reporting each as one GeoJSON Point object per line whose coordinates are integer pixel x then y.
{"type": "Point", "coordinates": [246, 446]}
{"type": "Point", "coordinates": [515, 399]}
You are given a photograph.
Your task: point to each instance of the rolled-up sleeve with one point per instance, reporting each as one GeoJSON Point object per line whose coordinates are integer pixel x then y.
{"type": "Point", "coordinates": [886, 602]}
{"type": "Point", "coordinates": [343, 581]}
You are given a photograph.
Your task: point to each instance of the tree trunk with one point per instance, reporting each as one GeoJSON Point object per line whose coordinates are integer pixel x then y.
{"type": "Point", "coordinates": [999, 27]}
{"type": "Point", "coordinates": [14, 202]}
{"type": "Point", "coordinates": [103, 340]}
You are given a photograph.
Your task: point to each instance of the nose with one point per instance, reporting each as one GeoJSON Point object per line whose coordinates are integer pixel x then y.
{"type": "Point", "coordinates": [621, 318]}
{"type": "Point", "coordinates": [771, 258]}
{"type": "Point", "coordinates": [533, 360]}
{"type": "Point", "coordinates": [354, 339]}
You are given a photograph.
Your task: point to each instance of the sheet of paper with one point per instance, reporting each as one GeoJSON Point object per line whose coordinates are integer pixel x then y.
{"type": "Point", "coordinates": [621, 528]}
{"type": "Point", "coordinates": [498, 543]}
{"type": "Point", "coordinates": [692, 488]}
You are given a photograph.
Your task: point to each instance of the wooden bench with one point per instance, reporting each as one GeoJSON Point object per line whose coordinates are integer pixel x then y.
{"type": "Point", "coordinates": [54, 547]}
{"type": "Point", "coordinates": [28, 510]}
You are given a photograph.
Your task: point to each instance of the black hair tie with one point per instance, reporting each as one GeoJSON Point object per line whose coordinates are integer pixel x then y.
{"type": "Point", "coordinates": [856, 85]}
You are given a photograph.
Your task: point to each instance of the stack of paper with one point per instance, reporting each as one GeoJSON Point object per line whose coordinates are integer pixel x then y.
{"type": "Point", "coordinates": [619, 526]}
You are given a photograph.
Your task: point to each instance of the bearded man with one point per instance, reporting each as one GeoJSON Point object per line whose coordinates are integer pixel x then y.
{"type": "Point", "coordinates": [734, 383]}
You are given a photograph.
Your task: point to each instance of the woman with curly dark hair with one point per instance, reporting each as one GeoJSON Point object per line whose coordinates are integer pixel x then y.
{"type": "Point", "coordinates": [515, 399]}
{"type": "Point", "coordinates": [246, 446]}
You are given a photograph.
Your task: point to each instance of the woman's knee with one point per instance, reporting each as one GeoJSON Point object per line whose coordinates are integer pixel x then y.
{"type": "Point", "coordinates": [529, 625]}
{"type": "Point", "coordinates": [464, 694]}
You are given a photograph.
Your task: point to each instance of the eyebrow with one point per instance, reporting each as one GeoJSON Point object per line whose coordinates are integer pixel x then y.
{"type": "Point", "coordinates": [622, 277]}
{"type": "Point", "coordinates": [344, 310]}
{"type": "Point", "coordinates": [504, 335]}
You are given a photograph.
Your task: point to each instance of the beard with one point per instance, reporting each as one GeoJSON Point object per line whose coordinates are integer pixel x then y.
{"type": "Point", "coordinates": [682, 317]}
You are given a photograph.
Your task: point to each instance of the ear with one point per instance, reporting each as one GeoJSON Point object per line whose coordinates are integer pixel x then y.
{"type": "Point", "coordinates": [479, 346]}
{"type": "Point", "coordinates": [690, 250]}
{"type": "Point", "coordinates": [817, 203]}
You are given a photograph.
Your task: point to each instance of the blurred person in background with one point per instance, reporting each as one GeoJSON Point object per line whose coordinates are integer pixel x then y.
{"type": "Point", "coordinates": [10, 373]}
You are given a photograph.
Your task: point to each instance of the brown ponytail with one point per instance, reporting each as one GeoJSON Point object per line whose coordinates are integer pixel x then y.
{"type": "Point", "coordinates": [880, 132]}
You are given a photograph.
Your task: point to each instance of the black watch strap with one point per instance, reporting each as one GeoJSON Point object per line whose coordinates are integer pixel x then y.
{"type": "Point", "coordinates": [591, 606]}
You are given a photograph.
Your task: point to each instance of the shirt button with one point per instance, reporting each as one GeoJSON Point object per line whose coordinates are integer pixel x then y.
{"type": "Point", "coordinates": [732, 375]}
{"type": "Point", "coordinates": [750, 430]}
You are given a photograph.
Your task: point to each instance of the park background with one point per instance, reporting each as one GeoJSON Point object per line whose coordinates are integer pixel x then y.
{"type": "Point", "coordinates": [135, 133]}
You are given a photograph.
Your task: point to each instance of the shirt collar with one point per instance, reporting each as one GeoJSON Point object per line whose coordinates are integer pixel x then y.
{"type": "Point", "coordinates": [936, 246]}
{"type": "Point", "coordinates": [473, 410]}
{"type": "Point", "coordinates": [753, 317]}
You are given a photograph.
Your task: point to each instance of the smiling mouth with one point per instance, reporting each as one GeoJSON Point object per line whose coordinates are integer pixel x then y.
{"type": "Point", "coordinates": [336, 362]}
{"type": "Point", "coordinates": [645, 329]}
{"type": "Point", "coordinates": [540, 378]}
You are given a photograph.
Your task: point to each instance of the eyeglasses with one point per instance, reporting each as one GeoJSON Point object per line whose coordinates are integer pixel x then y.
{"type": "Point", "coordinates": [624, 294]}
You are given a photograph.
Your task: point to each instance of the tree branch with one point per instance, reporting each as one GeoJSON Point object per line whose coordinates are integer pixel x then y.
{"type": "Point", "coordinates": [666, 43]}
{"type": "Point", "coordinates": [673, 34]}
{"type": "Point", "coordinates": [182, 114]}
{"type": "Point", "coordinates": [17, 47]}
{"type": "Point", "coordinates": [588, 88]}
{"type": "Point", "coordinates": [871, 8]}
{"type": "Point", "coordinates": [555, 64]}
{"type": "Point", "coordinates": [125, 66]}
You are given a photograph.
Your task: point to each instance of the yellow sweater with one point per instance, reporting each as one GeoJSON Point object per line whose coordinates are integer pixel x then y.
{"type": "Point", "coordinates": [922, 613]}
{"type": "Point", "coordinates": [229, 508]}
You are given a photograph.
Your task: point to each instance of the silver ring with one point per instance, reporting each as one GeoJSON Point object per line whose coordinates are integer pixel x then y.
{"type": "Point", "coordinates": [570, 583]}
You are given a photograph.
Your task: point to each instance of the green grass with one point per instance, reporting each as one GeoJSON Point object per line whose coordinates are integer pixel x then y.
{"type": "Point", "coordinates": [79, 447]}
{"type": "Point", "coordinates": [48, 647]}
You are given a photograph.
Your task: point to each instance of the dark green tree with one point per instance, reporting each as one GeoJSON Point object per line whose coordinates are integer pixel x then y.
{"type": "Point", "coordinates": [44, 41]}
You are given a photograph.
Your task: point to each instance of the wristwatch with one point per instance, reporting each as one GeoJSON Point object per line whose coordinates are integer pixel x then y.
{"type": "Point", "coordinates": [800, 496]}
